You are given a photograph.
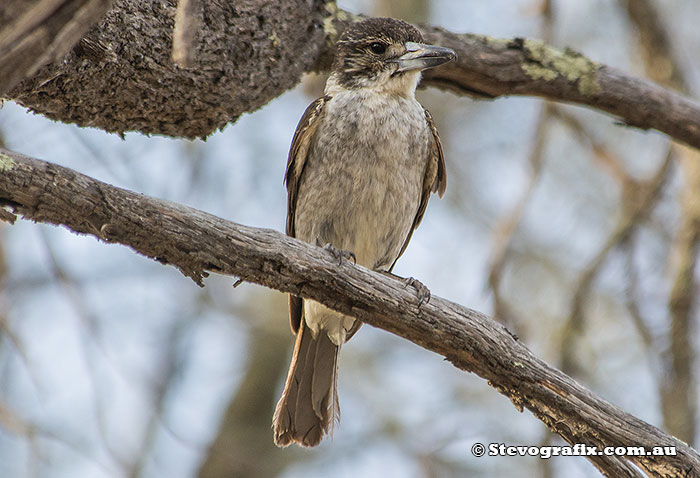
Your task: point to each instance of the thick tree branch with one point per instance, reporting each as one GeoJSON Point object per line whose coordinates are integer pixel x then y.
{"type": "Point", "coordinates": [241, 55]}
{"type": "Point", "coordinates": [244, 55]}
{"type": "Point", "coordinates": [196, 242]}
{"type": "Point", "coordinates": [498, 67]}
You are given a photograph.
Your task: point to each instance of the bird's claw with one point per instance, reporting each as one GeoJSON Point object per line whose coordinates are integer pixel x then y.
{"type": "Point", "coordinates": [340, 254]}
{"type": "Point", "coordinates": [422, 292]}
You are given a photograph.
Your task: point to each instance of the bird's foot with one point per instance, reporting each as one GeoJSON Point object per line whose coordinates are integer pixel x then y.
{"type": "Point", "coordinates": [422, 292]}
{"type": "Point", "coordinates": [340, 254]}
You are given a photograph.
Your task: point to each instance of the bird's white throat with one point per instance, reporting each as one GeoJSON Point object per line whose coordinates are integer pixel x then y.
{"type": "Point", "coordinates": [403, 84]}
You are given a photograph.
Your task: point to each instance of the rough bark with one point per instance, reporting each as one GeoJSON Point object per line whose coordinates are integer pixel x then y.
{"type": "Point", "coordinates": [122, 77]}
{"type": "Point", "coordinates": [196, 243]}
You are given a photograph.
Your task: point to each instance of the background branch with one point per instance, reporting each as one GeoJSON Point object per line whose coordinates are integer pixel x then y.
{"type": "Point", "coordinates": [677, 386]}
{"type": "Point", "coordinates": [196, 242]}
{"type": "Point", "coordinates": [37, 32]}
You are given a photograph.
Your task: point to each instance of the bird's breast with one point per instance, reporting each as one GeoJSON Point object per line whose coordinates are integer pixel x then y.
{"type": "Point", "coordinates": [362, 182]}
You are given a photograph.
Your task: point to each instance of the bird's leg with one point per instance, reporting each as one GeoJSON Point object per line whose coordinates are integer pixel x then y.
{"type": "Point", "coordinates": [340, 254]}
{"type": "Point", "coordinates": [422, 291]}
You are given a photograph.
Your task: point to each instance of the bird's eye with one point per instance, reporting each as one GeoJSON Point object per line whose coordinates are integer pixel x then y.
{"type": "Point", "coordinates": [377, 48]}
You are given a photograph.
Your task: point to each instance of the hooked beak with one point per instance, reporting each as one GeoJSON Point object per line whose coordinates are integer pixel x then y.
{"type": "Point", "coordinates": [420, 56]}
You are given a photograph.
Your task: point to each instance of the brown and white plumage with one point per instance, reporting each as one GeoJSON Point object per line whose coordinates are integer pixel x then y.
{"type": "Point", "coordinates": [363, 162]}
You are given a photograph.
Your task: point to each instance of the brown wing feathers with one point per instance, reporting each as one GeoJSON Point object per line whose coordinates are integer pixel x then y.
{"type": "Point", "coordinates": [295, 166]}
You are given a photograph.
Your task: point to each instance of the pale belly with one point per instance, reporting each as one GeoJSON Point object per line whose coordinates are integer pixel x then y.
{"type": "Point", "coordinates": [362, 182]}
{"type": "Point", "coordinates": [361, 188]}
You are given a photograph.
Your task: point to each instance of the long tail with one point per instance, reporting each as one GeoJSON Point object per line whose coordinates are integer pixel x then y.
{"type": "Point", "coordinates": [309, 403]}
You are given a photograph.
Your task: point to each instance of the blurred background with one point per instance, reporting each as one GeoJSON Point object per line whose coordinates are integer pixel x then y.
{"type": "Point", "coordinates": [578, 233]}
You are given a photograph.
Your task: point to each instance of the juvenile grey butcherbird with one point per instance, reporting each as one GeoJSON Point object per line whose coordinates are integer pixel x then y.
{"type": "Point", "coordinates": [363, 162]}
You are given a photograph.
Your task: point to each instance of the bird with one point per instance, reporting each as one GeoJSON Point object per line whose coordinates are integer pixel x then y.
{"type": "Point", "coordinates": [364, 160]}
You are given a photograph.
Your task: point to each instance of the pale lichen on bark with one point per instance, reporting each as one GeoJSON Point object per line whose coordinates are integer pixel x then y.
{"type": "Point", "coordinates": [493, 41]}
{"type": "Point", "coordinates": [548, 63]}
{"type": "Point", "coordinates": [6, 163]}
{"type": "Point", "coordinates": [336, 21]}
{"type": "Point", "coordinates": [334, 13]}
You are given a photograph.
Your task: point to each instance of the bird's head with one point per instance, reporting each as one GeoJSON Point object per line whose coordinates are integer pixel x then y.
{"type": "Point", "coordinates": [383, 54]}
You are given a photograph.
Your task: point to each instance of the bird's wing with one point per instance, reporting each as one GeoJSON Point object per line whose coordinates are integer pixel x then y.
{"type": "Point", "coordinates": [434, 181]}
{"type": "Point", "coordinates": [306, 129]}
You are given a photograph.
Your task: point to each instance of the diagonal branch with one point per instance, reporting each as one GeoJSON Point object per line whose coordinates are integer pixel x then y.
{"type": "Point", "coordinates": [196, 242]}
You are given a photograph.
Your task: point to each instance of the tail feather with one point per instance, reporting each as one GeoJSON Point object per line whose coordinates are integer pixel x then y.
{"type": "Point", "coordinates": [306, 420]}
{"type": "Point", "coordinates": [323, 388]}
{"type": "Point", "coordinates": [309, 403]}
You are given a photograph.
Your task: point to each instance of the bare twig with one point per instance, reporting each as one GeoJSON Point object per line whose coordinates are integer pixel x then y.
{"type": "Point", "coordinates": [637, 204]}
{"type": "Point", "coordinates": [90, 334]}
{"type": "Point", "coordinates": [507, 226]}
{"type": "Point", "coordinates": [165, 380]}
{"type": "Point", "coordinates": [660, 61]}
{"type": "Point", "coordinates": [677, 386]}
{"type": "Point", "coordinates": [610, 162]}
{"type": "Point", "coordinates": [638, 200]}
{"type": "Point", "coordinates": [243, 446]}
{"type": "Point", "coordinates": [632, 299]}
{"type": "Point", "coordinates": [187, 21]}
